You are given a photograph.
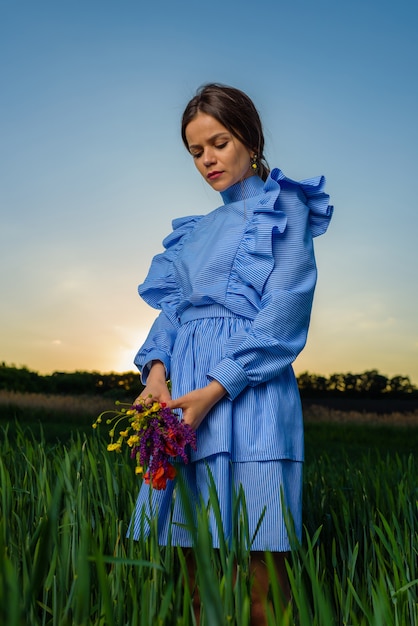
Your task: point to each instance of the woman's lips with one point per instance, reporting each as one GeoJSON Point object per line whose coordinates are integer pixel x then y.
{"type": "Point", "coordinates": [214, 175]}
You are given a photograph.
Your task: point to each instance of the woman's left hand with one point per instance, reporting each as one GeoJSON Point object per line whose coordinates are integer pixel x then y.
{"type": "Point", "coordinates": [197, 404]}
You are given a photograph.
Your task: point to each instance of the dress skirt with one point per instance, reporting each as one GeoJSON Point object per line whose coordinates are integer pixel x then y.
{"type": "Point", "coordinates": [272, 502]}
{"type": "Point", "coordinates": [233, 449]}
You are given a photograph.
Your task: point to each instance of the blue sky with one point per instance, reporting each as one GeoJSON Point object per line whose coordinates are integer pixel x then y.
{"type": "Point", "coordinates": [93, 169]}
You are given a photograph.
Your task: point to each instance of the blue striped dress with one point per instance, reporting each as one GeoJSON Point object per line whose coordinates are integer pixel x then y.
{"type": "Point", "coordinates": [235, 289]}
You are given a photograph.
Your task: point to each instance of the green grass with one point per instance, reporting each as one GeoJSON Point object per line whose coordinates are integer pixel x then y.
{"type": "Point", "coordinates": [356, 440]}
{"type": "Point", "coordinates": [64, 558]}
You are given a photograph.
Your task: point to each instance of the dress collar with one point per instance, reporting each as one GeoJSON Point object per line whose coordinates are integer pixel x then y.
{"type": "Point", "coordinates": [247, 188]}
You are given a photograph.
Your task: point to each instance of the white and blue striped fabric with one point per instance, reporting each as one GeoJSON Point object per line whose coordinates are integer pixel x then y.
{"type": "Point", "coordinates": [235, 289]}
{"type": "Point", "coordinates": [269, 487]}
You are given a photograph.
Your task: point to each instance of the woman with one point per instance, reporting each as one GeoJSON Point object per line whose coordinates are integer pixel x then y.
{"type": "Point", "coordinates": [235, 289]}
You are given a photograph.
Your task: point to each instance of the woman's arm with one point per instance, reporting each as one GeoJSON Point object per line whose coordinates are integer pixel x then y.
{"type": "Point", "coordinates": [279, 330]}
{"type": "Point", "coordinates": [156, 387]}
{"type": "Point", "coordinates": [197, 404]}
{"type": "Point", "coordinates": [158, 346]}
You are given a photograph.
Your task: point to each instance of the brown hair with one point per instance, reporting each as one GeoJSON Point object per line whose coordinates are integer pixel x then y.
{"type": "Point", "coordinates": [234, 110]}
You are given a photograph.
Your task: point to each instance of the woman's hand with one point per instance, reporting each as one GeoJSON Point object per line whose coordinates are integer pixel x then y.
{"type": "Point", "coordinates": [156, 389]}
{"type": "Point", "coordinates": [197, 404]}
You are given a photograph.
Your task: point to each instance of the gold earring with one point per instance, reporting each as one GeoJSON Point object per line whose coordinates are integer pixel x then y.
{"type": "Point", "coordinates": [254, 162]}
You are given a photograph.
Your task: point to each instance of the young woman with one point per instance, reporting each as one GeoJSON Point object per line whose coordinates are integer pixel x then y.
{"type": "Point", "coordinates": [235, 290]}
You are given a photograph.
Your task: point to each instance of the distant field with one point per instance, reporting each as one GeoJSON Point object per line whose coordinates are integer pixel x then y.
{"type": "Point", "coordinates": [328, 430]}
{"type": "Point", "coordinates": [57, 416]}
{"type": "Point", "coordinates": [71, 404]}
{"type": "Point", "coordinates": [349, 410]}
{"type": "Point", "coordinates": [319, 414]}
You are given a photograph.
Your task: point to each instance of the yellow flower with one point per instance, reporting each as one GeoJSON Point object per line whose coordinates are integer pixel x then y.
{"type": "Point", "coordinates": [154, 408]}
{"type": "Point", "coordinates": [124, 433]}
{"type": "Point", "coordinates": [114, 447]}
{"type": "Point", "coordinates": [138, 469]}
{"type": "Point", "coordinates": [138, 424]}
{"type": "Point", "coordinates": [133, 440]}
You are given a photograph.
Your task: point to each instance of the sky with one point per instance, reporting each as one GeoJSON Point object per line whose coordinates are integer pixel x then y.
{"type": "Point", "coordinates": [93, 170]}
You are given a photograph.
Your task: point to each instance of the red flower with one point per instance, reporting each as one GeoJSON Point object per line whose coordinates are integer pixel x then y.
{"type": "Point", "coordinates": [169, 449]}
{"type": "Point", "coordinates": [174, 442]}
{"type": "Point", "coordinates": [159, 478]}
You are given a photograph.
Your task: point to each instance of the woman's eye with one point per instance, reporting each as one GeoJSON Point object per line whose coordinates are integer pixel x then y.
{"type": "Point", "coordinates": [221, 145]}
{"type": "Point", "coordinates": [196, 155]}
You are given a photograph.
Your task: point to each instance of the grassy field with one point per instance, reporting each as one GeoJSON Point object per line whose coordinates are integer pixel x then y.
{"type": "Point", "coordinates": [66, 502]}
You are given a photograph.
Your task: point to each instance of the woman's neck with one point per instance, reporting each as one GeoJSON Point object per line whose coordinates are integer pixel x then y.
{"type": "Point", "coordinates": [246, 188]}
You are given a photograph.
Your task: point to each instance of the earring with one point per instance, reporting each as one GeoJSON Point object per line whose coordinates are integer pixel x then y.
{"type": "Point", "coordinates": [254, 162]}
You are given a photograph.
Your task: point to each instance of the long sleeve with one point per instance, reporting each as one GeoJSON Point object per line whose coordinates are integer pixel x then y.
{"type": "Point", "coordinates": [157, 346]}
{"type": "Point", "coordinates": [161, 291]}
{"type": "Point", "coordinates": [279, 330]}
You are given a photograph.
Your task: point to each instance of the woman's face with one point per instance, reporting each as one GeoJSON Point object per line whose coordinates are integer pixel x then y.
{"type": "Point", "coordinates": [221, 158]}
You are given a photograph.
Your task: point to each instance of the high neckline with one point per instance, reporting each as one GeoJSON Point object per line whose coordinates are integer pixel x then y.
{"type": "Point", "coordinates": [247, 188]}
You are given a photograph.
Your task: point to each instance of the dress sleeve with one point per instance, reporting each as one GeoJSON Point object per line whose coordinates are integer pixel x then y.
{"type": "Point", "coordinates": [281, 247]}
{"type": "Point", "coordinates": [161, 291]}
{"type": "Point", "coordinates": [157, 347]}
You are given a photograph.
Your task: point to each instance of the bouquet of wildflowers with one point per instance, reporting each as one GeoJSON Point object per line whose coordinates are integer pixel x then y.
{"type": "Point", "coordinates": [155, 435]}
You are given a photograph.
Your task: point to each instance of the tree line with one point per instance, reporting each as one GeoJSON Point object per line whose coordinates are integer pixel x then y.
{"type": "Point", "coordinates": [366, 384]}
{"type": "Point", "coordinates": [23, 380]}
{"type": "Point", "coordinates": [370, 383]}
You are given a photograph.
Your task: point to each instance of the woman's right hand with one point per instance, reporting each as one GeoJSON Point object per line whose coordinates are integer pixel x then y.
{"type": "Point", "coordinates": [156, 389]}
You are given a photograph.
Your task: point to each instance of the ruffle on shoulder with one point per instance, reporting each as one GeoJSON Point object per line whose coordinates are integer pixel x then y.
{"type": "Point", "coordinates": [320, 211]}
{"type": "Point", "coordinates": [160, 286]}
{"type": "Point", "coordinates": [254, 261]}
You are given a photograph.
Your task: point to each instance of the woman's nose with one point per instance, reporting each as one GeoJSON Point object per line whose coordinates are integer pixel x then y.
{"type": "Point", "coordinates": [209, 156]}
